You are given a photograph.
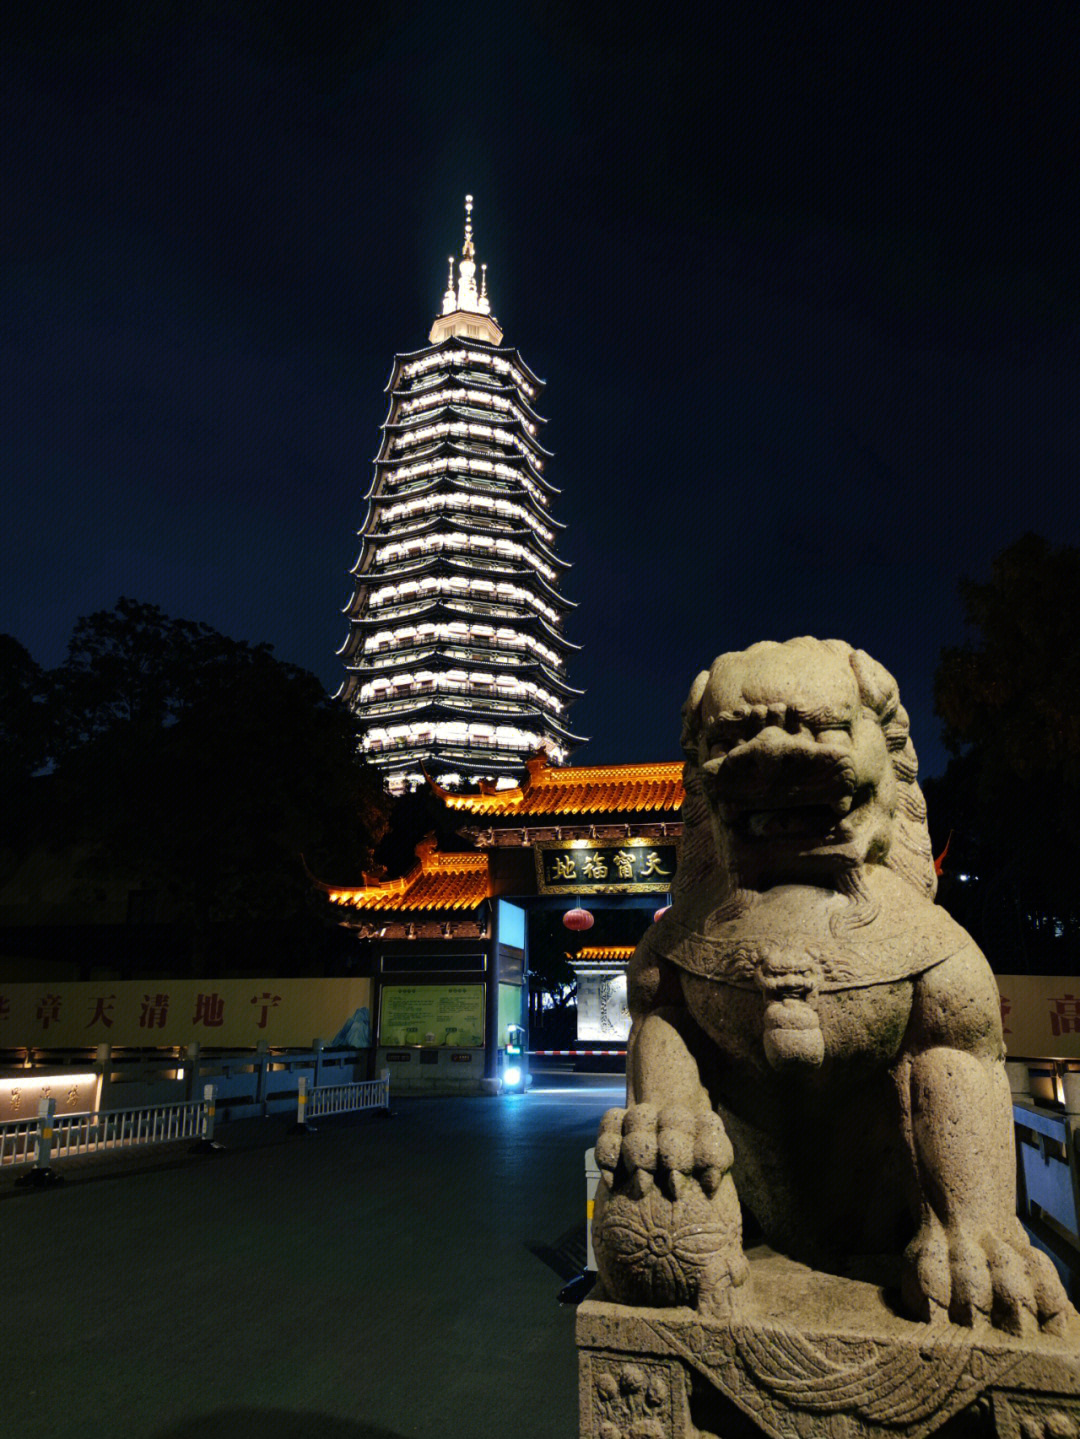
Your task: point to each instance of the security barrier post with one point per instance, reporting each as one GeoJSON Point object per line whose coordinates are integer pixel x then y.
{"type": "Point", "coordinates": [191, 1058]}
{"type": "Point", "coordinates": [42, 1174]}
{"type": "Point", "coordinates": [301, 1127]}
{"type": "Point", "coordinates": [46, 1115]}
{"type": "Point", "coordinates": [579, 1286]}
{"type": "Point", "coordinates": [103, 1070]}
{"type": "Point", "coordinates": [262, 1064]}
{"type": "Point", "coordinates": [205, 1143]}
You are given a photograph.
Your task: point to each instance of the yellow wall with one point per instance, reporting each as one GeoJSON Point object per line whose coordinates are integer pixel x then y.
{"type": "Point", "coordinates": [1040, 1015]}
{"type": "Point", "coordinates": [223, 1013]}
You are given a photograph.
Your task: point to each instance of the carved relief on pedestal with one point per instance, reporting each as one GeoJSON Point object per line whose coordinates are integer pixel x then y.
{"type": "Point", "coordinates": [633, 1398]}
{"type": "Point", "coordinates": [799, 1385]}
{"type": "Point", "coordinates": [1036, 1416]}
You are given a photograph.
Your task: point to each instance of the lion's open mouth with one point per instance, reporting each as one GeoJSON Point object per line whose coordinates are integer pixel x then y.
{"type": "Point", "coordinates": [821, 823]}
{"type": "Point", "coordinates": [814, 819]}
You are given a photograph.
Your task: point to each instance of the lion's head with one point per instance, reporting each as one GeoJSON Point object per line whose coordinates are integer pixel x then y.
{"type": "Point", "coordinates": [800, 764]}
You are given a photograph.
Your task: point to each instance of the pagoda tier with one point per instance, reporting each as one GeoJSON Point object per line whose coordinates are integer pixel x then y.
{"type": "Point", "coordinates": [455, 655]}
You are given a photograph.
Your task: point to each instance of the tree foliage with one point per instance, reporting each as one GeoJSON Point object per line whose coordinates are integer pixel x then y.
{"type": "Point", "coordinates": [202, 768]}
{"type": "Point", "coordinates": [24, 715]}
{"type": "Point", "coordinates": [1010, 701]}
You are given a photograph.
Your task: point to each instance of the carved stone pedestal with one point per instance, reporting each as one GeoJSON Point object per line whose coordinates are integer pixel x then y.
{"type": "Point", "coordinates": [809, 1354]}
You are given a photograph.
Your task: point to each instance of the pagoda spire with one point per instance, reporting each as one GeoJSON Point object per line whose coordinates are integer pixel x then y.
{"type": "Point", "coordinates": [466, 310]}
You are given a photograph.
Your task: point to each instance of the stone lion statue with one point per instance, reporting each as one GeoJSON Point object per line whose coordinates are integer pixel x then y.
{"type": "Point", "coordinates": [811, 1035]}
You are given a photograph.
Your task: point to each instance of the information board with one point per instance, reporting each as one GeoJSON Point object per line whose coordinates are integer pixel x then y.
{"type": "Point", "coordinates": [450, 1015]}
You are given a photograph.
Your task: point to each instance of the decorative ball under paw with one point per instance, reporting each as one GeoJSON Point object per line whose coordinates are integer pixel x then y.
{"type": "Point", "coordinates": [663, 1252]}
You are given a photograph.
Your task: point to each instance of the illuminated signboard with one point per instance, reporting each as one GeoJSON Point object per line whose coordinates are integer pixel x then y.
{"type": "Point", "coordinates": [587, 866]}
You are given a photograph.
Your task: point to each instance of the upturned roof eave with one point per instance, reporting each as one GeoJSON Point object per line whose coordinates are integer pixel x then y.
{"type": "Point", "coordinates": [506, 352]}
{"type": "Point", "coordinates": [455, 481]}
{"type": "Point", "coordinates": [450, 562]}
{"type": "Point", "coordinates": [513, 423]}
{"type": "Point", "coordinates": [447, 446]}
{"type": "Point", "coordinates": [554, 790]}
{"type": "Point", "coordinates": [437, 654]}
{"type": "Point", "coordinates": [519, 616]}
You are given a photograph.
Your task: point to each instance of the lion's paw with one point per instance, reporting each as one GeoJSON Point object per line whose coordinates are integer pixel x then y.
{"type": "Point", "coordinates": [666, 1226]}
{"type": "Point", "coordinates": [967, 1277]}
{"type": "Point", "coordinates": [669, 1147]}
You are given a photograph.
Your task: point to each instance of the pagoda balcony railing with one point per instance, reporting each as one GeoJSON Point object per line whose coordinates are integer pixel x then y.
{"type": "Point", "coordinates": [389, 658]}
{"type": "Point", "coordinates": [483, 404]}
{"type": "Point", "coordinates": [397, 528]}
{"type": "Point", "coordinates": [423, 452]}
{"type": "Point", "coordinates": [498, 612]}
{"type": "Point", "coordinates": [387, 654]}
{"type": "Point", "coordinates": [426, 382]}
{"type": "Point", "coordinates": [403, 610]}
{"type": "Point", "coordinates": [478, 482]}
{"type": "Point", "coordinates": [476, 652]}
{"type": "Point", "coordinates": [385, 614]}
{"type": "Point", "coordinates": [464, 701]}
{"type": "Point", "coordinates": [524, 566]}
{"type": "Point", "coordinates": [443, 751]}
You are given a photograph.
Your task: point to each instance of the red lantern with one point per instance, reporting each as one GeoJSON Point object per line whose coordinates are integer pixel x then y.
{"type": "Point", "coordinates": [578, 919]}
{"type": "Point", "coordinates": [661, 912]}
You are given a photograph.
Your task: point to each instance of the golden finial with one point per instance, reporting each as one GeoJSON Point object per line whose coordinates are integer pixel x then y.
{"type": "Point", "coordinates": [449, 304]}
{"type": "Point", "coordinates": [464, 298]}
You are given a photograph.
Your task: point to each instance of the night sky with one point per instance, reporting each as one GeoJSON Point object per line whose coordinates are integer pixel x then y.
{"type": "Point", "coordinates": [802, 281]}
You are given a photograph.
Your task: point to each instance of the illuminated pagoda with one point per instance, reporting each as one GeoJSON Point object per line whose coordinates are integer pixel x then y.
{"type": "Point", "coordinates": [455, 652]}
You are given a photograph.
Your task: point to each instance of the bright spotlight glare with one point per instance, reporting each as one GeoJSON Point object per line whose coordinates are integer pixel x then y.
{"type": "Point", "coordinates": [512, 1076]}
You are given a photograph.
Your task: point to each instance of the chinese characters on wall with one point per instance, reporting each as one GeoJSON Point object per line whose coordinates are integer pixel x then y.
{"type": "Point", "coordinates": [221, 1013]}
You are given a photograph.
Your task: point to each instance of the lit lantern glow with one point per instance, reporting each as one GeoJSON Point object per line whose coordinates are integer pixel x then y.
{"type": "Point", "coordinates": [578, 919]}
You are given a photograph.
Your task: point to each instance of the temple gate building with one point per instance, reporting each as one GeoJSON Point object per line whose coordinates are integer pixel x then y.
{"type": "Point", "coordinates": [450, 939]}
{"type": "Point", "coordinates": [455, 654]}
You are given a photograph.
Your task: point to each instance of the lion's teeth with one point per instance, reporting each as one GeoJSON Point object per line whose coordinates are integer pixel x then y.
{"type": "Point", "coordinates": [842, 806]}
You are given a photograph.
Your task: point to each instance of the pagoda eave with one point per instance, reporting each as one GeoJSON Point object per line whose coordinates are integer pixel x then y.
{"type": "Point", "coordinates": [456, 342]}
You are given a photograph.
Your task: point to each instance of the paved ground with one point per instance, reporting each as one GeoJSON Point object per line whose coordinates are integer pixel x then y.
{"type": "Point", "coordinates": [380, 1280]}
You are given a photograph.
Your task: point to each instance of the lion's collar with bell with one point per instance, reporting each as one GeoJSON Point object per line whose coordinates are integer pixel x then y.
{"type": "Point", "coordinates": [845, 945]}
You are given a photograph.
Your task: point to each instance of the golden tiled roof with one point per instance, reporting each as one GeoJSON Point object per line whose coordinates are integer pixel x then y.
{"type": "Point", "coordinates": [578, 789]}
{"type": "Point", "coordinates": [605, 951]}
{"type": "Point", "coordinates": [436, 881]}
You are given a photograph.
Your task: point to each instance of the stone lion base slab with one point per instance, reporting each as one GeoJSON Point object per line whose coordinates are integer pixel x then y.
{"type": "Point", "coordinates": [809, 1355]}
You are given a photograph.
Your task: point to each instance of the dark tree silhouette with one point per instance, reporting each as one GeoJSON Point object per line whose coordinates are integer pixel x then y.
{"type": "Point", "coordinates": [1011, 793]}
{"type": "Point", "coordinates": [25, 714]}
{"type": "Point", "coordinates": [196, 769]}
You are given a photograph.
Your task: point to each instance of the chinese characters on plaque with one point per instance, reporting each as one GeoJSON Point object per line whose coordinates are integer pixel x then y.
{"type": "Point", "coordinates": [631, 866]}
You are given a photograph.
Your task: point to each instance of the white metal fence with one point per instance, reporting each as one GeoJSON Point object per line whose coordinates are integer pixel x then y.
{"type": "Point", "coordinates": [18, 1142]}
{"type": "Point", "coordinates": [37, 1142]}
{"type": "Point", "coordinates": [117, 1129]}
{"type": "Point", "coordinates": [342, 1098]}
